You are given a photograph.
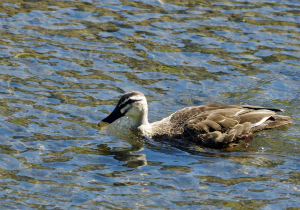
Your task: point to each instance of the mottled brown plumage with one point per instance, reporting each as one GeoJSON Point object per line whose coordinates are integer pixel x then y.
{"type": "Point", "coordinates": [213, 125]}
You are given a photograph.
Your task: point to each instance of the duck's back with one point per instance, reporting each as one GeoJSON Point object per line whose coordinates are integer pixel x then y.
{"type": "Point", "coordinates": [217, 125]}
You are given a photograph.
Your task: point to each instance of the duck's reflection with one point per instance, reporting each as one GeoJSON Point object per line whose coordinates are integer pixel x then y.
{"type": "Point", "coordinates": [128, 155]}
{"type": "Point", "coordinates": [131, 159]}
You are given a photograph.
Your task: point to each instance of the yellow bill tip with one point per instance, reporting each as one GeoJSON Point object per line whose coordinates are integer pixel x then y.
{"type": "Point", "coordinates": [103, 124]}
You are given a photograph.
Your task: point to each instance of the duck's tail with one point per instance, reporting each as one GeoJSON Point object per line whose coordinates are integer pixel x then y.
{"type": "Point", "coordinates": [217, 139]}
{"type": "Point", "coordinates": [272, 122]}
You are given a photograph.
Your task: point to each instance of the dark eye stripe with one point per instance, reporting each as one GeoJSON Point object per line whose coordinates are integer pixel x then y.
{"type": "Point", "coordinates": [130, 101]}
{"type": "Point", "coordinates": [125, 109]}
{"type": "Point", "coordinates": [123, 105]}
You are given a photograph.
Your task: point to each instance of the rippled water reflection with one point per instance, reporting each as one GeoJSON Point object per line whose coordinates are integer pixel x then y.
{"type": "Point", "coordinates": [64, 64]}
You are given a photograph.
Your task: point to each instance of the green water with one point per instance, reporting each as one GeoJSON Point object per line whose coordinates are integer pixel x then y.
{"type": "Point", "coordinates": [64, 65]}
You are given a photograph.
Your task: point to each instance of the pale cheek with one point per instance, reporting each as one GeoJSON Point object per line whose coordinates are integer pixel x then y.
{"type": "Point", "coordinates": [133, 112]}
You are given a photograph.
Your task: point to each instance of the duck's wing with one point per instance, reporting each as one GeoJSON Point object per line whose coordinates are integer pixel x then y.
{"type": "Point", "coordinates": [184, 115]}
{"type": "Point", "coordinates": [218, 125]}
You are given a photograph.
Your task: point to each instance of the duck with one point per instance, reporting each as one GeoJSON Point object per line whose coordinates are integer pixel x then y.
{"type": "Point", "coordinates": [210, 125]}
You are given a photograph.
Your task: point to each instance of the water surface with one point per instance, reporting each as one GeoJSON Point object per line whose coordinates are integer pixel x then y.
{"type": "Point", "coordinates": [64, 65]}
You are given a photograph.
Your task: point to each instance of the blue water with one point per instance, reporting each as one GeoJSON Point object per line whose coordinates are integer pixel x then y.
{"type": "Point", "coordinates": [64, 65]}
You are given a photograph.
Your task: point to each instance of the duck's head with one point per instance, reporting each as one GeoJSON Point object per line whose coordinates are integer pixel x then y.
{"type": "Point", "coordinates": [132, 104]}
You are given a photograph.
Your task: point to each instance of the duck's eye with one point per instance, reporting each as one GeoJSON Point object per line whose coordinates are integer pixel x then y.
{"type": "Point", "coordinates": [133, 100]}
{"type": "Point", "coordinates": [125, 106]}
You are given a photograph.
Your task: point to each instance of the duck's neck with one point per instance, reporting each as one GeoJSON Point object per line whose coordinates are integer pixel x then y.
{"type": "Point", "coordinates": [140, 120]}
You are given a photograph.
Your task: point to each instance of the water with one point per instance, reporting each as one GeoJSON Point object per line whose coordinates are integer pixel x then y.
{"type": "Point", "coordinates": [64, 65]}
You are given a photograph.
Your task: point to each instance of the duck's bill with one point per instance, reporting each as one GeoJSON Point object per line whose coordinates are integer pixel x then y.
{"type": "Point", "coordinates": [116, 114]}
{"type": "Point", "coordinates": [103, 124]}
